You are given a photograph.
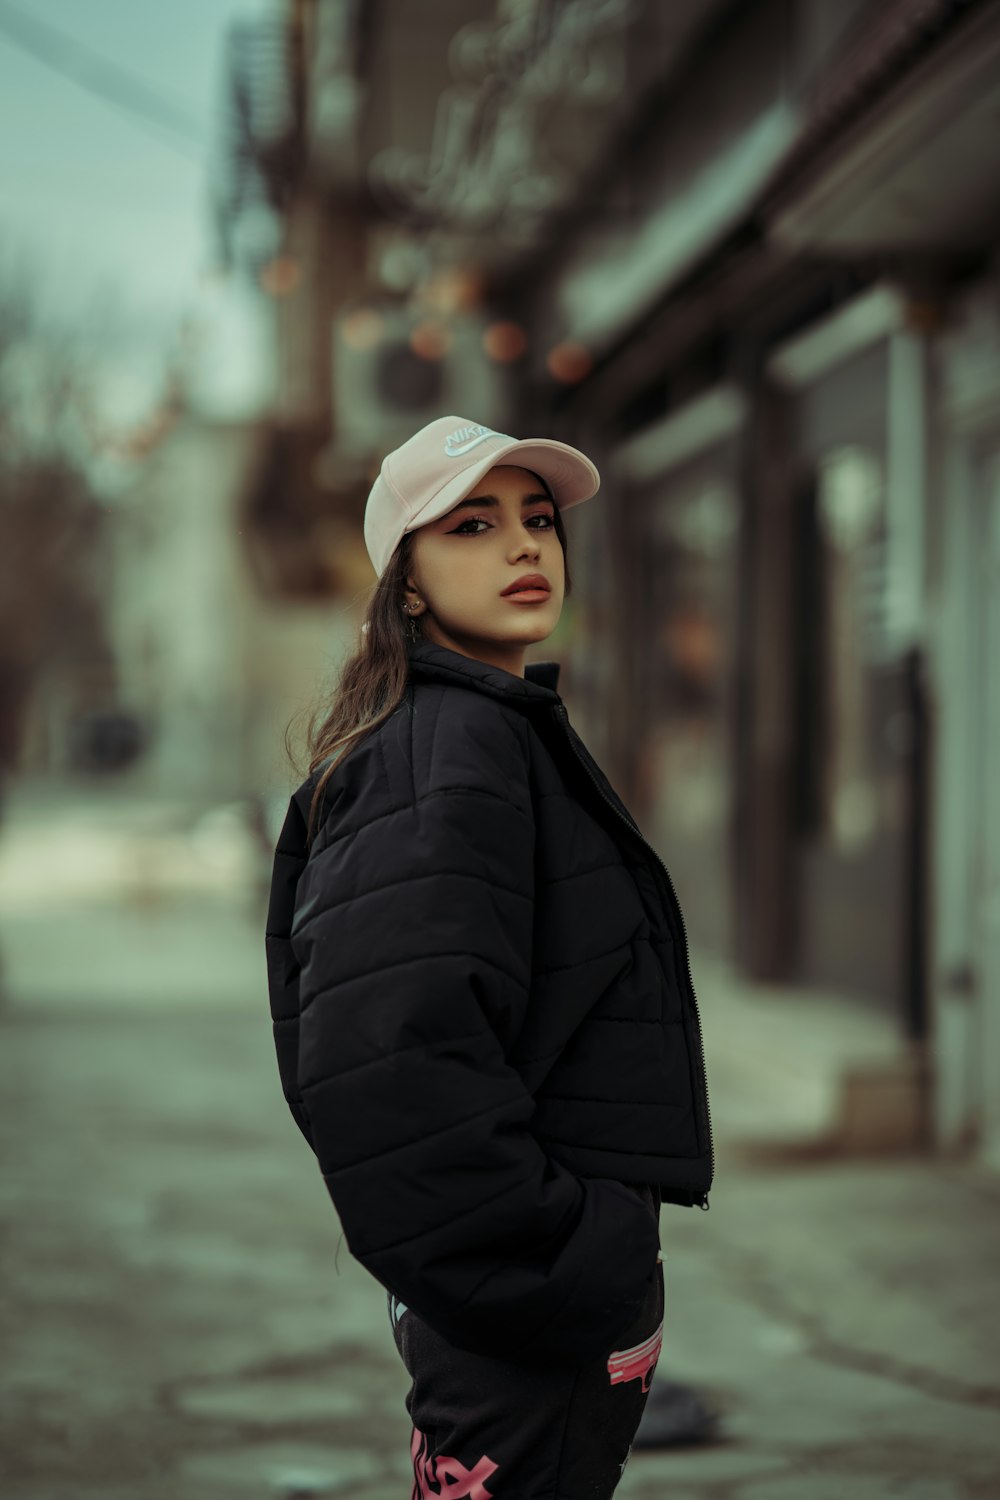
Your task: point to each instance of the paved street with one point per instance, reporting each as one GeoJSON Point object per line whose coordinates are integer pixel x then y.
{"type": "Point", "coordinates": [181, 1319]}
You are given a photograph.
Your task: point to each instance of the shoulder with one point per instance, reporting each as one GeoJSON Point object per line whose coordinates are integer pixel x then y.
{"type": "Point", "coordinates": [359, 789]}
{"type": "Point", "coordinates": [466, 739]}
{"type": "Point", "coordinates": [439, 738]}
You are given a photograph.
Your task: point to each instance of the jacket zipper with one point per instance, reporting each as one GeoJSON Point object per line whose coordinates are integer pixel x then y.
{"type": "Point", "coordinates": [579, 750]}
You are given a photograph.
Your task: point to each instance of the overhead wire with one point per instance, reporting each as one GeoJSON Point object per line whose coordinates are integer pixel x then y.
{"type": "Point", "coordinates": [109, 81]}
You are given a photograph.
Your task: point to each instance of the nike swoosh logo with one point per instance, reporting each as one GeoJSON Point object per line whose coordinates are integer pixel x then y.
{"type": "Point", "coordinates": [455, 450]}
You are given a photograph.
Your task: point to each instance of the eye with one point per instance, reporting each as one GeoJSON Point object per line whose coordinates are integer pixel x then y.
{"type": "Point", "coordinates": [469, 520]}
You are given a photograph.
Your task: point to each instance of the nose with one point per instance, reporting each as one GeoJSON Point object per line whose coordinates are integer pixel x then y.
{"type": "Point", "coordinates": [528, 542]}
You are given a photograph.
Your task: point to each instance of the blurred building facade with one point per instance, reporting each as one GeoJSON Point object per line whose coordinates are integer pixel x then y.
{"type": "Point", "coordinates": [748, 257]}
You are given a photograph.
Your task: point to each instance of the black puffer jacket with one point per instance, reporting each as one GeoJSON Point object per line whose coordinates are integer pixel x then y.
{"type": "Point", "coordinates": [483, 1015]}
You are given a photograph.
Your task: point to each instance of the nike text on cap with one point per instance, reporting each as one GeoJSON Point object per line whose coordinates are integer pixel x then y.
{"type": "Point", "coordinates": [429, 473]}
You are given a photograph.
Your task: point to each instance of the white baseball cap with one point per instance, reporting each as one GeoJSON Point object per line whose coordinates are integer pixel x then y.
{"type": "Point", "coordinates": [429, 473]}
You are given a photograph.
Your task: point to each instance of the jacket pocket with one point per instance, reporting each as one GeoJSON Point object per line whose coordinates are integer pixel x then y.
{"type": "Point", "coordinates": [649, 1194]}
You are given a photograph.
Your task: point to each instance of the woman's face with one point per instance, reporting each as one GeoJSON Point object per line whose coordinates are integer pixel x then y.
{"type": "Point", "coordinates": [462, 562]}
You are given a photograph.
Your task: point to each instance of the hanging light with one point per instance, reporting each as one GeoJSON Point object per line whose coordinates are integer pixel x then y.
{"type": "Point", "coordinates": [569, 362]}
{"type": "Point", "coordinates": [504, 341]}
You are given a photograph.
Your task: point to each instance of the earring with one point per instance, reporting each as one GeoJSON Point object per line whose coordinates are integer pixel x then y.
{"type": "Point", "coordinates": [412, 633]}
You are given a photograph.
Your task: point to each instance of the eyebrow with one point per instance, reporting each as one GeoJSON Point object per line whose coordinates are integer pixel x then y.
{"type": "Point", "coordinates": [492, 500]}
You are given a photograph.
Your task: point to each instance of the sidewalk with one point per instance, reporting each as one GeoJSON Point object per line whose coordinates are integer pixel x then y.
{"type": "Point", "coordinates": [182, 1319]}
{"type": "Point", "coordinates": [800, 1070]}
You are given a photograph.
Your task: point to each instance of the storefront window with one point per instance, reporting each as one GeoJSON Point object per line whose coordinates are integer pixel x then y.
{"type": "Point", "coordinates": [687, 762]}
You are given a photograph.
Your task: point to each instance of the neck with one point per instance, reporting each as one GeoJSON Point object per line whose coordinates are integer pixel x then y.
{"type": "Point", "coordinates": [508, 656]}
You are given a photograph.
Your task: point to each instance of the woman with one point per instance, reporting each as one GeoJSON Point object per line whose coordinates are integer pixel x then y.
{"type": "Point", "coordinates": [482, 1007]}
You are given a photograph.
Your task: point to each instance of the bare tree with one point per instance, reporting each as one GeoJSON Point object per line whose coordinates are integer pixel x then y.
{"type": "Point", "coordinates": [51, 519]}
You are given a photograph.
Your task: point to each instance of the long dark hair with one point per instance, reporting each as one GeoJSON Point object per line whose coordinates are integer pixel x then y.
{"type": "Point", "coordinates": [373, 678]}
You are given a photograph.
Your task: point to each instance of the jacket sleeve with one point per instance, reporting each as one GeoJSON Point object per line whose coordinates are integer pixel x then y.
{"type": "Point", "coordinates": [282, 969]}
{"type": "Point", "coordinates": [414, 935]}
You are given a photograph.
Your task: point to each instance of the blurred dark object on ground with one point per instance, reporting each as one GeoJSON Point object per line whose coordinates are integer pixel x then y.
{"type": "Point", "coordinates": [106, 740]}
{"type": "Point", "coordinates": [674, 1414]}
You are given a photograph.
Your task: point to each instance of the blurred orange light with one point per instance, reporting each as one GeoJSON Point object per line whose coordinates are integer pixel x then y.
{"type": "Point", "coordinates": [569, 362]}
{"type": "Point", "coordinates": [280, 275]}
{"type": "Point", "coordinates": [505, 341]}
{"type": "Point", "coordinates": [430, 340]}
{"type": "Point", "coordinates": [362, 328]}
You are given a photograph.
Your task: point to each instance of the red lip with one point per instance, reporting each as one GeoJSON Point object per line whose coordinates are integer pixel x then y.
{"type": "Point", "coordinates": [528, 581]}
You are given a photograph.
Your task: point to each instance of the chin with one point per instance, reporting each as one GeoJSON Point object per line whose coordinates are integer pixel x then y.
{"type": "Point", "coordinates": [535, 630]}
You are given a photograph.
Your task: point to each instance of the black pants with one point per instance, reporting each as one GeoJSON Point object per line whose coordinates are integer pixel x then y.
{"type": "Point", "coordinates": [485, 1427]}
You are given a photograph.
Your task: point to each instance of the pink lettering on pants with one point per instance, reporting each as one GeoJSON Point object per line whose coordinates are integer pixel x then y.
{"type": "Point", "coordinates": [637, 1362]}
{"type": "Point", "coordinates": [444, 1476]}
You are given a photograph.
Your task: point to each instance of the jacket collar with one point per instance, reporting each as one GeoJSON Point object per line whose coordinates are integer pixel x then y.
{"type": "Point", "coordinates": [437, 663]}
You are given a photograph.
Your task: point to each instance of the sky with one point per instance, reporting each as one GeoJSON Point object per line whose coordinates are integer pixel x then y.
{"type": "Point", "coordinates": [108, 211]}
